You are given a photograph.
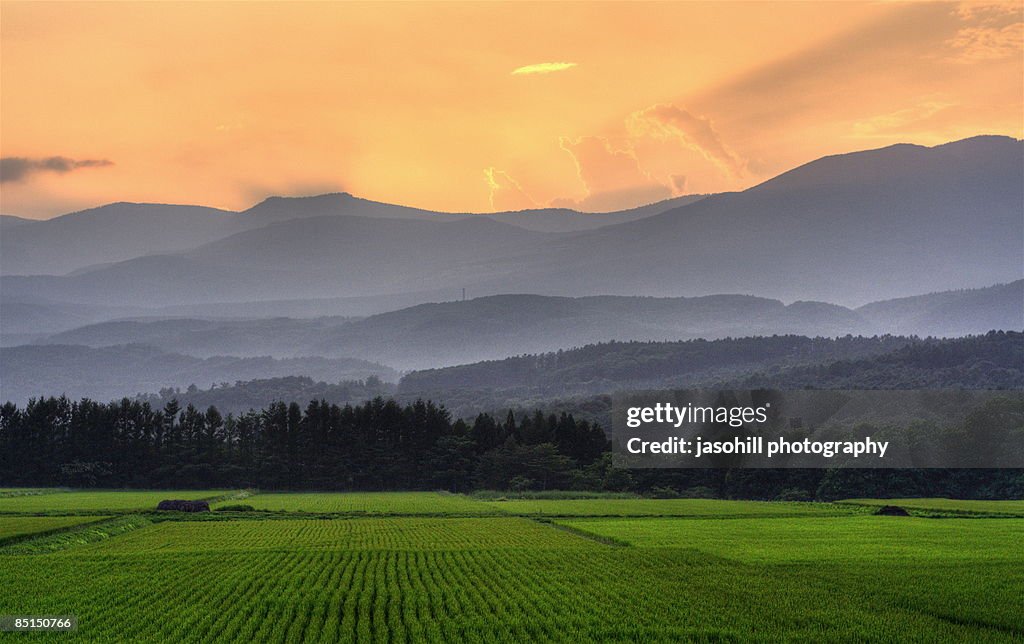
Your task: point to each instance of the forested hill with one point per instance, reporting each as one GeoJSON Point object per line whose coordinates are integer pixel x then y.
{"type": "Point", "coordinates": [578, 380]}
{"type": "Point", "coordinates": [242, 396]}
{"type": "Point", "coordinates": [991, 361]}
{"type": "Point", "coordinates": [604, 367]}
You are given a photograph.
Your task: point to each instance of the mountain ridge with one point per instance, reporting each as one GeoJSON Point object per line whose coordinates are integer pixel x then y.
{"type": "Point", "coordinates": [847, 229]}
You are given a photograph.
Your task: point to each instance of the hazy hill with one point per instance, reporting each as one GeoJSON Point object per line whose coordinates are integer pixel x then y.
{"type": "Point", "coordinates": [432, 335]}
{"type": "Point", "coordinates": [485, 328]}
{"type": "Point", "coordinates": [112, 372]}
{"type": "Point", "coordinates": [952, 312]}
{"type": "Point", "coordinates": [277, 337]}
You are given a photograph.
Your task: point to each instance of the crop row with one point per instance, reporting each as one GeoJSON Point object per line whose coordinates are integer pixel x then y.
{"type": "Point", "coordinates": [338, 534]}
{"type": "Point", "coordinates": [394, 503]}
{"type": "Point", "coordinates": [572, 594]}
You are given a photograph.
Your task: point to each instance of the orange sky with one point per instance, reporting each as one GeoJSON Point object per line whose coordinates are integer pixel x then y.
{"type": "Point", "coordinates": [611, 105]}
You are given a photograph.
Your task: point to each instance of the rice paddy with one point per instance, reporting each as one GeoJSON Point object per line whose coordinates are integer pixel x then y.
{"type": "Point", "coordinates": [412, 567]}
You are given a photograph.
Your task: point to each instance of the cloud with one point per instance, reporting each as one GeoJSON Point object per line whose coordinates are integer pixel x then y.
{"type": "Point", "coordinates": [542, 68]}
{"type": "Point", "coordinates": [900, 121]}
{"type": "Point", "coordinates": [694, 132]}
{"type": "Point", "coordinates": [505, 192]}
{"type": "Point", "coordinates": [976, 44]}
{"type": "Point", "coordinates": [14, 169]}
{"type": "Point", "coordinates": [993, 30]}
{"type": "Point", "coordinates": [612, 176]}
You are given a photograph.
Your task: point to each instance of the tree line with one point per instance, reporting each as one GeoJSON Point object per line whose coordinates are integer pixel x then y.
{"type": "Point", "coordinates": [385, 445]}
{"type": "Point", "coordinates": [377, 445]}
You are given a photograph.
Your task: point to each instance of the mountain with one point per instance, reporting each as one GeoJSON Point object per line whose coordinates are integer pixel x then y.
{"type": "Point", "coordinates": [10, 221]}
{"type": "Point", "coordinates": [113, 372]}
{"type": "Point", "coordinates": [551, 220]}
{"type": "Point", "coordinates": [951, 313]}
{"type": "Point", "coordinates": [122, 231]}
{"type": "Point", "coordinates": [448, 333]}
{"type": "Point", "coordinates": [303, 258]}
{"type": "Point", "coordinates": [849, 229]}
{"type": "Point", "coordinates": [106, 234]}
{"type": "Point", "coordinates": [561, 220]}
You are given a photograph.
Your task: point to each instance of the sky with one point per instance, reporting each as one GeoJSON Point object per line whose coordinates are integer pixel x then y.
{"type": "Point", "coordinates": [477, 107]}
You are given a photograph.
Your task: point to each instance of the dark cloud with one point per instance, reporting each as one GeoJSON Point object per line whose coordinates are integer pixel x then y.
{"type": "Point", "coordinates": [679, 183]}
{"type": "Point", "coordinates": [20, 168]}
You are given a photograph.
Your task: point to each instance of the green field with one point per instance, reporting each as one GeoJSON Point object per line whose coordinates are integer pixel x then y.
{"type": "Point", "coordinates": [380, 503]}
{"type": "Point", "coordinates": [813, 539]}
{"type": "Point", "coordinates": [738, 571]}
{"type": "Point", "coordinates": [13, 527]}
{"type": "Point", "coordinates": [669, 508]}
{"type": "Point", "coordinates": [393, 533]}
{"type": "Point", "coordinates": [961, 506]}
{"type": "Point", "coordinates": [99, 501]}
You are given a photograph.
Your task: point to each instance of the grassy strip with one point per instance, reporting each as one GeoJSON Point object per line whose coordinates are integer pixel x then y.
{"type": "Point", "coordinates": [599, 538]}
{"type": "Point", "coordinates": [25, 536]}
{"type": "Point", "coordinates": [231, 496]}
{"type": "Point", "coordinates": [940, 513]}
{"type": "Point", "coordinates": [66, 513]}
{"type": "Point", "coordinates": [75, 536]}
{"type": "Point", "coordinates": [550, 495]}
{"type": "Point", "coordinates": [260, 515]}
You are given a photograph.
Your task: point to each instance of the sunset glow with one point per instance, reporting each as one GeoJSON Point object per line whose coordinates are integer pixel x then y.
{"type": "Point", "coordinates": [445, 106]}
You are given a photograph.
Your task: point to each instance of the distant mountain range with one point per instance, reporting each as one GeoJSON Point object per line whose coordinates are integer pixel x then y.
{"type": "Point", "coordinates": [849, 229]}
{"type": "Point", "coordinates": [121, 231]}
{"type": "Point", "coordinates": [130, 298]}
{"type": "Point", "coordinates": [125, 357]}
{"type": "Point", "coordinates": [431, 335]}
